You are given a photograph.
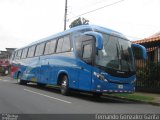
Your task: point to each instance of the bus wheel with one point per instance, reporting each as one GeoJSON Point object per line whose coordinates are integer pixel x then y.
{"type": "Point", "coordinates": [64, 85]}
{"type": "Point", "coordinates": [20, 81]}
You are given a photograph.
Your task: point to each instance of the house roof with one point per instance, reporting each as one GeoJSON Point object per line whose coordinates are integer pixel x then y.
{"type": "Point", "coordinates": [156, 34]}
{"type": "Point", "coordinates": [148, 40]}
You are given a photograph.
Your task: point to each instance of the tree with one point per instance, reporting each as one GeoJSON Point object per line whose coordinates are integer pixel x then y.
{"type": "Point", "coordinates": [79, 21]}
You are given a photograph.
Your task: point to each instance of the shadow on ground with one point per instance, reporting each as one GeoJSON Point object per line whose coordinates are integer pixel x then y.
{"type": "Point", "coordinates": [83, 95]}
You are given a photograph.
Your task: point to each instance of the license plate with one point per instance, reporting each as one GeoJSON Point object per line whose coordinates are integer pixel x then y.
{"type": "Point", "coordinates": [120, 86]}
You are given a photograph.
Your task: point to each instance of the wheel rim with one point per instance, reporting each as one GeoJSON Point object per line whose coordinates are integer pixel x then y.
{"type": "Point", "coordinates": [64, 83]}
{"type": "Point", "coordinates": [64, 86]}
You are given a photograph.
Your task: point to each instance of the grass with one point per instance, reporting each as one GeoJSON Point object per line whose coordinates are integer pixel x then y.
{"type": "Point", "coordinates": [135, 96]}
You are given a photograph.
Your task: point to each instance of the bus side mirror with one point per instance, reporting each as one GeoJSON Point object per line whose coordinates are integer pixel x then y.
{"type": "Point", "coordinates": [139, 51]}
{"type": "Point", "coordinates": [98, 37]}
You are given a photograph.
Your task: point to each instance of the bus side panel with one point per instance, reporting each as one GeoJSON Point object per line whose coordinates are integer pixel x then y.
{"type": "Point", "coordinates": [84, 76]}
{"type": "Point", "coordinates": [52, 66]}
{"type": "Point", "coordinates": [46, 73]}
{"type": "Point", "coordinates": [30, 70]}
{"type": "Point", "coordinates": [65, 65]}
{"type": "Point", "coordinates": [17, 67]}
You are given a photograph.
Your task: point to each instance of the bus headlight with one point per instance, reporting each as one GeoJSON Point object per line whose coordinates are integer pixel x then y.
{"type": "Point", "coordinates": [99, 76]}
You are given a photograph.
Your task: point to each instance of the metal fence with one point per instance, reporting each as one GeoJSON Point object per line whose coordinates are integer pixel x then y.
{"type": "Point", "coordinates": [148, 72]}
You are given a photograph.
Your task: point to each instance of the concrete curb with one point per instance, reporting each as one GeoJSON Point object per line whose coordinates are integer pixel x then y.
{"type": "Point", "coordinates": [139, 101]}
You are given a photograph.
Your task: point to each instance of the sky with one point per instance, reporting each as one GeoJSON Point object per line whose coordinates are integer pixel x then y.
{"type": "Point", "coordinates": [25, 21]}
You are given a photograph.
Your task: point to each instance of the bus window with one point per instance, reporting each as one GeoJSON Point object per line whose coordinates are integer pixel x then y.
{"type": "Point", "coordinates": [81, 40]}
{"type": "Point", "coordinates": [66, 44]}
{"type": "Point", "coordinates": [59, 45]}
{"type": "Point", "coordinates": [78, 40]}
{"type": "Point", "coordinates": [15, 53]}
{"type": "Point", "coordinates": [63, 44]}
{"type": "Point", "coordinates": [39, 49]}
{"type": "Point", "coordinates": [47, 48]}
{"type": "Point", "coordinates": [13, 56]}
{"type": "Point", "coordinates": [87, 51]}
{"type": "Point", "coordinates": [31, 51]}
{"type": "Point", "coordinates": [18, 54]}
{"type": "Point", "coordinates": [24, 52]}
{"type": "Point", "coordinates": [50, 47]}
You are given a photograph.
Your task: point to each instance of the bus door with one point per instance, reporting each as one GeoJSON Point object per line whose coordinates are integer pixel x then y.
{"type": "Point", "coordinates": [85, 73]}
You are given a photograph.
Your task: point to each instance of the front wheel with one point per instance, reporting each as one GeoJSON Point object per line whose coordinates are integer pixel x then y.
{"type": "Point", "coordinates": [64, 86]}
{"type": "Point", "coordinates": [20, 81]}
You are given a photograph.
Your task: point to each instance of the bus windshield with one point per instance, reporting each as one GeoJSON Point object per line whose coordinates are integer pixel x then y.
{"type": "Point", "coordinates": [116, 55]}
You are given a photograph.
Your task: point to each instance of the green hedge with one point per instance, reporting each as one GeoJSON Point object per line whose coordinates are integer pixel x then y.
{"type": "Point", "coordinates": [149, 76]}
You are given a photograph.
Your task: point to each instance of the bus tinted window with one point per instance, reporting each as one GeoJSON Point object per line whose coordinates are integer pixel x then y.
{"type": "Point", "coordinates": [24, 52]}
{"type": "Point", "coordinates": [39, 49]}
{"type": "Point", "coordinates": [47, 48]}
{"type": "Point", "coordinates": [50, 47]}
{"type": "Point", "coordinates": [66, 44]}
{"type": "Point", "coordinates": [78, 40]}
{"type": "Point", "coordinates": [59, 45]}
{"type": "Point", "coordinates": [18, 54]}
{"type": "Point", "coordinates": [15, 53]}
{"type": "Point", "coordinates": [31, 51]}
{"type": "Point", "coordinates": [87, 51]}
{"type": "Point", "coordinates": [63, 44]}
{"type": "Point", "coordinates": [13, 56]}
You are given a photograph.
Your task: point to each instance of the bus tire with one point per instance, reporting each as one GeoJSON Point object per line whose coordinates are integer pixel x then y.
{"type": "Point", "coordinates": [20, 81]}
{"type": "Point", "coordinates": [64, 85]}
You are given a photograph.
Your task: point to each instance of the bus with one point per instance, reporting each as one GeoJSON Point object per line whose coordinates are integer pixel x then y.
{"type": "Point", "coordinates": [86, 58]}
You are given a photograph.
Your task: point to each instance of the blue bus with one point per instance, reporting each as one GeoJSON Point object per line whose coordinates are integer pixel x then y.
{"type": "Point", "coordinates": [87, 58]}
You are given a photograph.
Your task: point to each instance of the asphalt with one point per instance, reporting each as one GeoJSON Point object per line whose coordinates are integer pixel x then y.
{"type": "Point", "coordinates": [155, 101]}
{"type": "Point", "coordinates": [30, 102]}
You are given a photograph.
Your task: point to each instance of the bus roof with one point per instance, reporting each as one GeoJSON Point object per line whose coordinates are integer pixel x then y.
{"type": "Point", "coordinates": [78, 28]}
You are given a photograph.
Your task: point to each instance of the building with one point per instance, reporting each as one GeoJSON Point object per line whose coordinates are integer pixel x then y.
{"type": "Point", "coordinates": [6, 54]}
{"type": "Point", "coordinates": [148, 72]}
{"type": "Point", "coordinates": [152, 44]}
{"type": "Point", "coordinates": [4, 61]}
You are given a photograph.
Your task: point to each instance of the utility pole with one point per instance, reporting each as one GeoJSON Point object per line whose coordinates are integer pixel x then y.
{"type": "Point", "coordinates": [65, 15]}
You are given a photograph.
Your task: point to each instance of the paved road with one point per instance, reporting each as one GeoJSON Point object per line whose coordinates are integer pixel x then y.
{"type": "Point", "coordinates": [30, 99]}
